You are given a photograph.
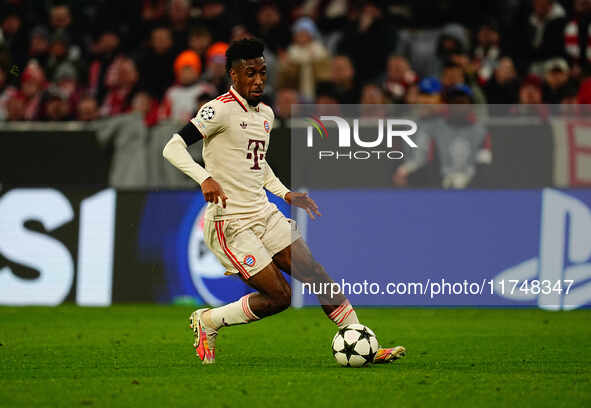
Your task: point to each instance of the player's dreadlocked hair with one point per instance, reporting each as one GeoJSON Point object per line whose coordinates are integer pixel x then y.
{"type": "Point", "coordinates": [246, 48]}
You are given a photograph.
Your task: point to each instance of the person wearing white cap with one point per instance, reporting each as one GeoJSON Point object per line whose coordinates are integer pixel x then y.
{"type": "Point", "coordinates": [307, 58]}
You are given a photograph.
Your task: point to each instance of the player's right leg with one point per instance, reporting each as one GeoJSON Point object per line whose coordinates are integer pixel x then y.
{"type": "Point", "coordinates": [241, 252]}
{"type": "Point", "coordinates": [273, 296]}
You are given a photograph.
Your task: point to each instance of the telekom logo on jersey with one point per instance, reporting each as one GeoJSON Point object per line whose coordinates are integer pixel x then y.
{"type": "Point", "coordinates": [255, 155]}
{"type": "Point", "coordinates": [402, 128]}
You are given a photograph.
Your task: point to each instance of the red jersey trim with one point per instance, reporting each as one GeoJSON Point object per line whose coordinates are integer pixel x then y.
{"type": "Point", "coordinates": [238, 100]}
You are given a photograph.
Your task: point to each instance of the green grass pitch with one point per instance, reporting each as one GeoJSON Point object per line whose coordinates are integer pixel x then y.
{"type": "Point", "coordinates": [139, 355]}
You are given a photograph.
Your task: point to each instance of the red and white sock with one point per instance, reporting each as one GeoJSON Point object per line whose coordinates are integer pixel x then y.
{"type": "Point", "coordinates": [238, 312]}
{"type": "Point", "coordinates": [344, 315]}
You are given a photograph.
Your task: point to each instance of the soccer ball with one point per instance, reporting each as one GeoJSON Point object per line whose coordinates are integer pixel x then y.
{"type": "Point", "coordinates": [354, 345]}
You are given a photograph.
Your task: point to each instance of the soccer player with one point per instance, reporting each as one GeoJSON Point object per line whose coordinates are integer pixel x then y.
{"type": "Point", "coordinates": [247, 233]}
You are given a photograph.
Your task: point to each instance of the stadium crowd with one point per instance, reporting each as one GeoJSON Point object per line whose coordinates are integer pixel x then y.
{"type": "Point", "coordinates": [82, 60]}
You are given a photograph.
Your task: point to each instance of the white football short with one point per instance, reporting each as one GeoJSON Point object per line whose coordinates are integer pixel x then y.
{"type": "Point", "coordinates": [247, 245]}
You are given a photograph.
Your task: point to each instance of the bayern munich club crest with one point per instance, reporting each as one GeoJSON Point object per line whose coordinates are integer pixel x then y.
{"type": "Point", "coordinates": [250, 260]}
{"type": "Point", "coordinates": [267, 126]}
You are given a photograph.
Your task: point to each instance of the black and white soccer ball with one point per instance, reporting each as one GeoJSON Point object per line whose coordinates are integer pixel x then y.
{"type": "Point", "coordinates": [354, 345]}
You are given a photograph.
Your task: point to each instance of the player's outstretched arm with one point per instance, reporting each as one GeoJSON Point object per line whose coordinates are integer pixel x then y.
{"type": "Point", "coordinates": [176, 153]}
{"type": "Point", "coordinates": [302, 200]}
{"type": "Point", "coordinates": [273, 184]}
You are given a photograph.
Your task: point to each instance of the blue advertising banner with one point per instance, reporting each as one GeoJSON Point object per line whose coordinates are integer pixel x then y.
{"type": "Point", "coordinates": [443, 248]}
{"type": "Point", "coordinates": [382, 247]}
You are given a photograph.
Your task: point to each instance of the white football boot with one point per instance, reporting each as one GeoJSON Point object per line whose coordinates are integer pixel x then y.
{"type": "Point", "coordinates": [204, 342]}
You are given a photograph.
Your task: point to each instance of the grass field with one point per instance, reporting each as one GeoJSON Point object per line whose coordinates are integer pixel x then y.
{"type": "Point", "coordinates": [142, 356]}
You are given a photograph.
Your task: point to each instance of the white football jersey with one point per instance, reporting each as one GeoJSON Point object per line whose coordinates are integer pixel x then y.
{"type": "Point", "coordinates": [236, 140]}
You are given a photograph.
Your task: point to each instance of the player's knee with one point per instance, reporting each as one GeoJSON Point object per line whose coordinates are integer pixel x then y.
{"type": "Point", "coordinates": [283, 299]}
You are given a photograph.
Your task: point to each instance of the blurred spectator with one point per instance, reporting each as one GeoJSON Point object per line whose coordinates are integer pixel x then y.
{"type": "Point", "coordinates": [331, 16]}
{"type": "Point", "coordinates": [503, 87]}
{"type": "Point", "coordinates": [179, 14]}
{"type": "Point", "coordinates": [60, 17]}
{"type": "Point", "coordinates": [307, 60]}
{"type": "Point", "coordinates": [539, 36]}
{"type": "Point", "coordinates": [270, 28]}
{"type": "Point", "coordinates": [452, 74]}
{"type": "Point", "coordinates": [373, 101]}
{"type": "Point", "coordinates": [39, 45]}
{"type": "Point", "coordinates": [286, 98]}
{"type": "Point", "coordinates": [487, 52]}
{"type": "Point", "coordinates": [199, 41]}
{"type": "Point", "coordinates": [453, 40]}
{"type": "Point", "coordinates": [60, 53]}
{"type": "Point", "coordinates": [156, 63]}
{"type": "Point", "coordinates": [217, 19]}
{"type": "Point", "coordinates": [32, 87]}
{"type": "Point", "coordinates": [121, 80]}
{"type": "Point", "coordinates": [180, 101]}
{"type": "Point", "coordinates": [13, 36]}
{"type": "Point", "coordinates": [530, 91]}
{"type": "Point", "coordinates": [568, 94]}
{"type": "Point", "coordinates": [6, 93]}
{"type": "Point", "coordinates": [104, 49]}
{"type": "Point", "coordinates": [419, 47]}
{"type": "Point", "coordinates": [458, 70]}
{"type": "Point", "coordinates": [239, 32]}
{"type": "Point", "coordinates": [56, 106]}
{"type": "Point", "coordinates": [471, 76]}
{"type": "Point", "coordinates": [327, 99]}
{"type": "Point", "coordinates": [15, 108]}
{"type": "Point", "coordinates": [61, 23]}
{"type": "Point", "coordinates": [577, 38]}
{"type": "Point", "coordinates": [215, 72]}
{"type": "Point", "coordinates": [372, 94]}
{"type": "Point", "coordinates": [153, 10]}
{"type": "Point", "coordinates": [144, 104]}
{"type": "Point", "coordinates": [66, 81]}
{"type": "Point", "coordinates": [556, 79]}
{"type": "Point", "coordinates": [87, 109]}
{"type": "Point", "coordinates": [399, 77]}
{"type": "Point", "coordinates": [428, 94]}
{"type": "Point", "coordinates": [368, 39]}
{"type": "Point", "coordinates": [343, 76]}
{"type": "Point", "coordinates": [429, 91]}
{"type": "Point", "coordinates": [460, 139]}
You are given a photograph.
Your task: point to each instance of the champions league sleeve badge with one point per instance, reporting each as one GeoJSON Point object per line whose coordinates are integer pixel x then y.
{"type": "Point", "coordinates": [267, 126]}
{"type": "Point", "coordinates": [207, 113]}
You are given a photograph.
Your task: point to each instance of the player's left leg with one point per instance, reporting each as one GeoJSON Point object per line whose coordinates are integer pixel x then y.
{"type": "Point", "coordinates": [297, 260]}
